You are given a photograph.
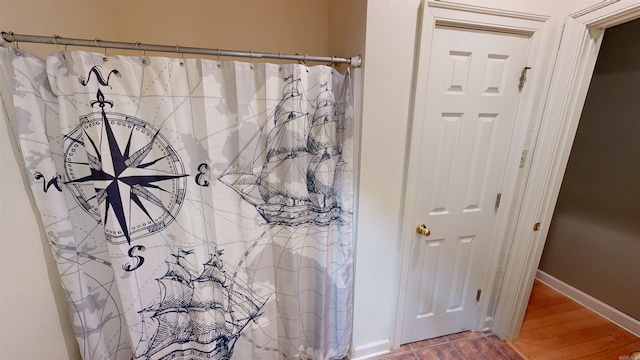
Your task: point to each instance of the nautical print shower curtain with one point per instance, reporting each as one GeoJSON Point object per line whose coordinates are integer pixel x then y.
{"type": "Point", "coordinates": [196, 209]}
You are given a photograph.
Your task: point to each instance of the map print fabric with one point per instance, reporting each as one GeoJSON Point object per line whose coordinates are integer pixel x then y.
{"type": "Point", "coordinates": [196, 209]}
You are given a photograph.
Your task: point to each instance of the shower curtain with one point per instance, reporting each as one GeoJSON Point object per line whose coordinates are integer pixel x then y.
{"type": "Point", "coordinates": [196, 209]}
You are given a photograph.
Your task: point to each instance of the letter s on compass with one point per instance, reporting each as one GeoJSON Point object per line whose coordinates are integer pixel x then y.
{"type": "Point", "coordinates": [138, 260]}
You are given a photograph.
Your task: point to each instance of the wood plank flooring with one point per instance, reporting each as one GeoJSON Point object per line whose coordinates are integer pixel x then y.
{"type": "Point", "coordinates": [556, 327]}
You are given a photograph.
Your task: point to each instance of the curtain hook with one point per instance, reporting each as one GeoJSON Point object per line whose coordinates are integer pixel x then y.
{"type": "Point", "coordinates": [16, 50]}
{"type": "Point", "coordinates": [251, 59]}
{"type": "Point", "coordinates": [305, 62]}
{"type": "Point", "coordinates": [13, 39]}
{"type": "Point", "coordinates": [218, 52]}
{"type": "Point", "coordinates": [181, 55]}
{"type": "Point", "coordinates": [144, 53]}
{"type": "Point", "coordinates": [279, 61]}
{"type": "Point", "coordinates": [55, 42]}
{"type": "Point", "coordinates": [104, 58]}
{"type": "Point", "coordinates": [54, 38]}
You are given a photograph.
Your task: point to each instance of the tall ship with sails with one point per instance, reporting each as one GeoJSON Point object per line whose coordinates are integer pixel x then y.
{"type": "Point", "coordinates": [293, 178]}
{"type": "Point", "coordinates": [197, 317]}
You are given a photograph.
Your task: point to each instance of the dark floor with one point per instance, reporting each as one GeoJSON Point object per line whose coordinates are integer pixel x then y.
{"type": "Point", "coordinates": [466, 345]}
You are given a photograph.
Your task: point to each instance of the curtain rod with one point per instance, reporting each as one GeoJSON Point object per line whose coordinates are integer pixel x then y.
{"type": "Point", "coordinates": [355, 61]}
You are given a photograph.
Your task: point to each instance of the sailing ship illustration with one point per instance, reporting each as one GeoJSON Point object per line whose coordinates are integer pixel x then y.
{"type": "Point", "coordinates": [294, 176]}
{"type": "Point", "coordinates": [198, 316]}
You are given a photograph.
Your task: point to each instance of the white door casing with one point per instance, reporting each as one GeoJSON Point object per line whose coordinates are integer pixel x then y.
{"type": "Point", "coordinates": [572, 74]}
{"type": "Point", "coordinates": [460, 260]}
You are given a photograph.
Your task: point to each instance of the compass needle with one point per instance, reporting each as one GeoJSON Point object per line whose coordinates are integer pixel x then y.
{"type": "Point", "coordinates": [137, 201]}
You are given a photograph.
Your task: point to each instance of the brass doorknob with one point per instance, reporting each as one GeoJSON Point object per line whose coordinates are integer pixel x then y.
{"type": "Point", "coordinates": [422, 230]}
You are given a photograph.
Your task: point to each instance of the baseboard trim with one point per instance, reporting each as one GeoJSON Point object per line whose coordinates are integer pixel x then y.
{"type": "Point", "coordinates": [606, 311]}
{"type": "Point", "coordinates": [372, 349]}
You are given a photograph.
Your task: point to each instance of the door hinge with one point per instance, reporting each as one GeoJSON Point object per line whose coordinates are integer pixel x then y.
{"type": "Point", "coordinates": [498, 197]}
{"type": "Point", "coordinates": [523, 77]}
{"type": "Point", "coordinates": [478, 295]}
{"type": "Point", "coordinates": [523, 157]}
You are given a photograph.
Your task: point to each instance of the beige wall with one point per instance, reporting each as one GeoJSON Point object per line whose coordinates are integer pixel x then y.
{"type": "Point", "coordinates": [347, 24]}
{"type": "Point", "coordinates": [288, 26]}
{"type": "Point", "coordinates": [594, 239]}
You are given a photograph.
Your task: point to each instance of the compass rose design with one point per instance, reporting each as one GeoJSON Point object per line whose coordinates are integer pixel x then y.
{"type": "Point", "coordinates": [124, 173]}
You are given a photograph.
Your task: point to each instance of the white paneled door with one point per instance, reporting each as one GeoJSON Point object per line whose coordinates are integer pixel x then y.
{"type": "Point", "coordinates": [464, 123]}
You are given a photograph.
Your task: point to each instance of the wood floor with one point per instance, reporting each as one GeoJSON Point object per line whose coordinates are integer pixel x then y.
{"type": "Point", "coordinates": [556, 327]}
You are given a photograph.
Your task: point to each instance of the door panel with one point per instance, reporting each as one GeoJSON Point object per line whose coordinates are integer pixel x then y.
{"type": "Point", "coordinates": [469, 114]}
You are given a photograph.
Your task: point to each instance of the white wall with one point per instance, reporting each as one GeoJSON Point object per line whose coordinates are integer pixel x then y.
{"type": "Point", "coordinates": [388, 71]}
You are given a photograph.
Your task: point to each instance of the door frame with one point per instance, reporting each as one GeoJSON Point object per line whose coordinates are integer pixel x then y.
{"type": "Point", "coordinates": [577, 55]}
{"type": "Point", "coordinates": [471, 17]}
